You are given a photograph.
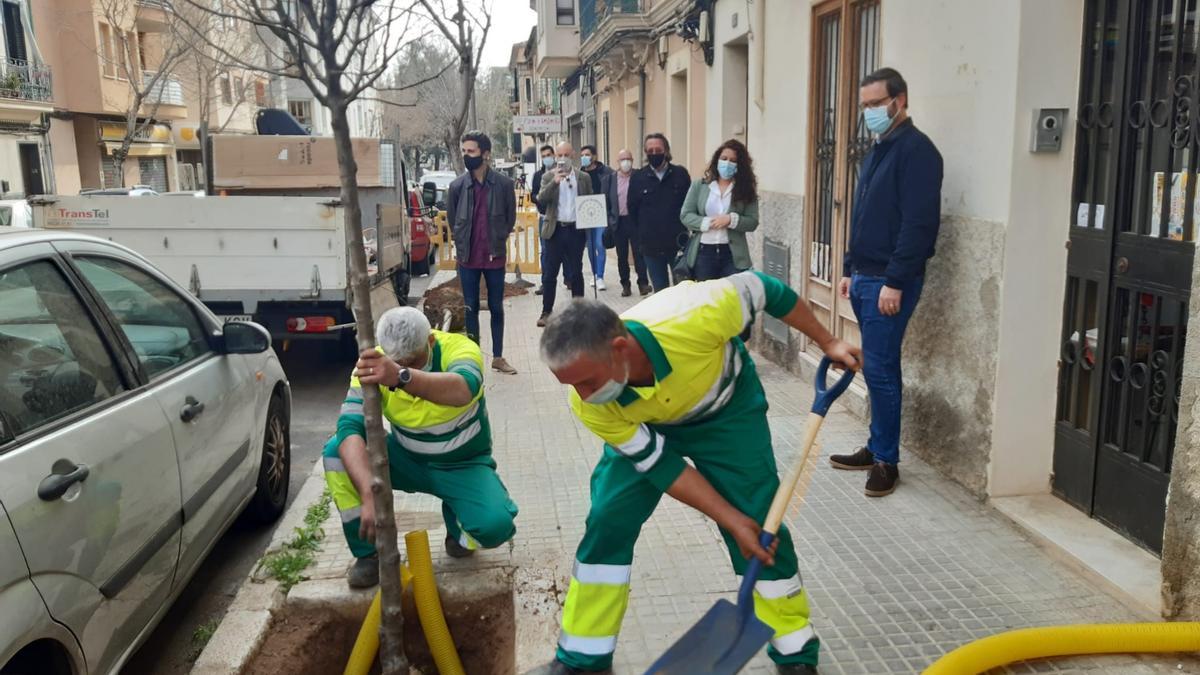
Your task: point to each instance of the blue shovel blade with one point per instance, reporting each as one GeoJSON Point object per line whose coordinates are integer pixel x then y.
{"type": "Point", "coordinates": [721, 643]}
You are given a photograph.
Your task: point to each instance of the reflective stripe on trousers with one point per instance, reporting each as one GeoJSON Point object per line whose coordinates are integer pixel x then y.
{"type": "Point", "coordinates": [782, 604]}
{"type": "Point", "coordinates": [596, 603]}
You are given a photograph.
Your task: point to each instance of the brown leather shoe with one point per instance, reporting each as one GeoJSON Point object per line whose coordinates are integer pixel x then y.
{"type": "Point", "coordinates": [498, 363]}
{"type": "Point", "coordinates": [860, 460]}
{"type": "Point", "coordinates": [542, 319]}
{"type": "Point", "coordinates": [882, 480]}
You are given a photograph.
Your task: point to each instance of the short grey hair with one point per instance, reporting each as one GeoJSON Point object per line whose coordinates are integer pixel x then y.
{"type": "Point", "coordinates": [403, 332]}
{"type": "Point", "coordinates": [584, 327]}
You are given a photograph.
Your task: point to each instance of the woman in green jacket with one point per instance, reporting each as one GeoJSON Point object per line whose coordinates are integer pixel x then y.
{"type": "Point", "coordinates": [719, 210]}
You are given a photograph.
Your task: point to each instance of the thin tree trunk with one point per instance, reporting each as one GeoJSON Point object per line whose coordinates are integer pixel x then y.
{"type": "Point", "coordinates": [392, 656]}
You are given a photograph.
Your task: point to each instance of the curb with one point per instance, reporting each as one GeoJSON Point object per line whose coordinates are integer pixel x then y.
{"type": "Point", "coordinates": [245, 623]}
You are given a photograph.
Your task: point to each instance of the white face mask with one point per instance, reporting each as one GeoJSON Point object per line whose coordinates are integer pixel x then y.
{"type": "Point", "coordinates": [609, 392]}
{"type": "Point", "coordinates": [606, 394]}
{"type": "Point", "coordinates": [626, 165]}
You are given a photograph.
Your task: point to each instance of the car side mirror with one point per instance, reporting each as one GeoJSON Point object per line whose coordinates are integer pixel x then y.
{"type": "Point", "coordinates": [242, 337]}
{"type": "Point", "coordinates": [428, 192]}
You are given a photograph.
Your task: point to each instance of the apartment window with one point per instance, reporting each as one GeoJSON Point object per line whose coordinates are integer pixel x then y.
{"type": "Point", "coordinates": [239, 88]}
{"type": "Point", "coordinates": [564, 12]}
{"type": "Point", "coordinates": [141, 41]}
{"type": "Point", "coordinates": [528, 90]}
{"type": "Point", "coordinates": [106, 50]}
{"type": "Point", "coordinates": [260, 93]}
{"type": "Point", "coordinates": [302, 111]}
{"type": "Point", "coordinates": [226, 90]}
{"type": "Point", "coordinates": [125, 45]}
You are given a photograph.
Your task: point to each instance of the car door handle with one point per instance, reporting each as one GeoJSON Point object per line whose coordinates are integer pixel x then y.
{"type": "Point", "coordinates": [55, 485]}
{"type": "Point", "coordinates": [191, 409]}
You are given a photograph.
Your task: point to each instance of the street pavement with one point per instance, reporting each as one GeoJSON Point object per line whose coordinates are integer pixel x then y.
{"type": "Point", "coordinates": [318, 376]}
{"type": "Point", "coordinates": [894, 582]}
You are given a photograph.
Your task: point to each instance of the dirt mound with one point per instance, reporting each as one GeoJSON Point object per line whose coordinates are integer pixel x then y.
{"type": "Point", "coordinates": [448, 296]}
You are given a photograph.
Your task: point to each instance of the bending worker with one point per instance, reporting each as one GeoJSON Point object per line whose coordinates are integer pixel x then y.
{"type": "Point", "coordinates": [670, 379]}
{"type": "Point", "coordinates": [440, 441]}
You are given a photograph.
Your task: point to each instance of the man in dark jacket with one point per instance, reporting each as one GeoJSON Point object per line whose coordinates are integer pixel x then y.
{"type": "Point", "coordinates": [656, 195]}
{"type": "Point", "coordinates": [893, 228]}
{"type": "Point", "coordinates": [481, 207]}
{"type": "Point", "coordinates": [601, 178]}
{"type": "Point", "coordinates": [547, 159]}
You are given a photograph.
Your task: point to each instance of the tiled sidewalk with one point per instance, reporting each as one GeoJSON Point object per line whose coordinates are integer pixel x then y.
{"type": "Point", "coordinates": [894, 582]}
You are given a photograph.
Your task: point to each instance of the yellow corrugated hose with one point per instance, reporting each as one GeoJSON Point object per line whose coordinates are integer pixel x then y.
{"type": "Point", "coordinates": [1036, 643]}
{"type": "Point", "coordinates": [429, 610]}
{"type": "Point", "coordinates": [429, 605]}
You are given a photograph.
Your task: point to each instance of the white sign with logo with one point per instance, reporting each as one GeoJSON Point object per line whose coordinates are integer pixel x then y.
{"type": "Point", "coordinates": [537, 124]}
{"type": "Point", "coordinates": [591, 212]}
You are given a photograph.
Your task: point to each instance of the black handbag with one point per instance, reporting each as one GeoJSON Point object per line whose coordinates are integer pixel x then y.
{"type": "Point", "coordinates": [680, 269]}
{"type": "Point", "coordinates": [609, 238]}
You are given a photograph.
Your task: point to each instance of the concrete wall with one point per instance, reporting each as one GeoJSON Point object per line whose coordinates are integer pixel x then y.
{"type": "Point", "coordinates": [777, 132]}
{"type": "Point", "coordinates": [962, 82]}
{"type": "Point", "coordinates": [1031, 294]}
{"type": "Point", "coordinates": [1181, 538]}
{"type": "Point", "coordinates": [677, 113]}
{"type": "Point", "coordinates": [64, 158]}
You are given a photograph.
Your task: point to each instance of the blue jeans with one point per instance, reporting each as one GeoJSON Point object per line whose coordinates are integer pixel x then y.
{"type": "Point", "coordinates": [713, 261]}
{"type": "Point", "coordinates": [469, 278]}
{"type": "Point", "coordinates": [882, 337]}
{"type": "Point", "coordinates": [595, 251]}
{"type": "Point", "coordinates": [659, 269]}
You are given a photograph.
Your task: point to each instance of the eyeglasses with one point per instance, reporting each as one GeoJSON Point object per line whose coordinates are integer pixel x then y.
{"type": "Point", "coordinates": [876, 103]}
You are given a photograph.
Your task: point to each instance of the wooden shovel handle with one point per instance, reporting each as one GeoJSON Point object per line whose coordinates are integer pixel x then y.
{"type": "Point", "coordinates": [784, 494]}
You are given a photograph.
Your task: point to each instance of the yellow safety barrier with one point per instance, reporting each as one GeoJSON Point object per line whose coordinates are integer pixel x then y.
{"type": "Point", "coordinates": [524, 244]}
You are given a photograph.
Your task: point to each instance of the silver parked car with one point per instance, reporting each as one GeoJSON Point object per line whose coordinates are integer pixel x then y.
{"type": "Point", "coordinates": [134, 429]}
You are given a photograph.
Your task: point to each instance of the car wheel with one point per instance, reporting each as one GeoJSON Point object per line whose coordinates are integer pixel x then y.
{"type": "Point", "coordinates": [401, 281]}
{"type": "Point", "coordinates": [274, 472]}
{"type": "Point", "coordinates": [421, 268]}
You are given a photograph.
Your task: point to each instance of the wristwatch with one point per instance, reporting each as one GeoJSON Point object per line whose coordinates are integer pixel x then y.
{"type": "Point", "coordinates": [403, 380]}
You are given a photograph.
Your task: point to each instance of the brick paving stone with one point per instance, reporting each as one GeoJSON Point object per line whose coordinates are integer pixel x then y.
{"type": "Point", "coordinates": [894, 582]}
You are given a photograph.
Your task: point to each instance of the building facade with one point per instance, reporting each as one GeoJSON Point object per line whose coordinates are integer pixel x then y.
{"type": "Point", "coordinates": [26, 105]}
{"type": "Point", "coordinates": [1051, 362]}
{"type": "Point", "coordinates": [98, 47]}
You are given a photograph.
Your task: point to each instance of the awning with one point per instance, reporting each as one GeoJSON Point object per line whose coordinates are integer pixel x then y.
{"type": "Point", "coordinates": [144, 149]}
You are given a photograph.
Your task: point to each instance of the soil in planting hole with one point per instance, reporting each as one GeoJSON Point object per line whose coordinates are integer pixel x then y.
{"type": "Point", "coordinates": [448, 296]}
{"type": "Point", "coordinates": [318, 642]}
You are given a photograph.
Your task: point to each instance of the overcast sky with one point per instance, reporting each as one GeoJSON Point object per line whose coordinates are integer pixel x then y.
{"type": "Point", "coordinates": [511, 21]}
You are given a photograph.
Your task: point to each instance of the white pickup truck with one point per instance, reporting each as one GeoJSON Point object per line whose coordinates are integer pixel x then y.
{"type": "Point", "coordinates": [279, 261]}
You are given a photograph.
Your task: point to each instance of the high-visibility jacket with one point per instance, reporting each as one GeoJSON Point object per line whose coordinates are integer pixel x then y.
{"type": "Point", "coordinates": [687, 335]}
{"type": "Point", "coordinates": [429, 430]}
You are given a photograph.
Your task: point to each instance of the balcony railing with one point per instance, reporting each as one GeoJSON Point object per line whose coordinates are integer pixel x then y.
{"type": "Point", "coordinates": [166, 91]}
{"type": "Point", "coordinates": [593, 12]}
{"type": "Point", "coordinates": [25, 80]}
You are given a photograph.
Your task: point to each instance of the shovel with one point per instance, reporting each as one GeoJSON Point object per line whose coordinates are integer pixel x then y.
{"type": "Point", "coordinates": [729, 635]}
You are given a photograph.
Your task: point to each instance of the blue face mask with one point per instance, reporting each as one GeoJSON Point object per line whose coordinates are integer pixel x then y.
{"type": "Point", "coordinates": [585, 160]}
{"type": "Point", "coordinates": [726, 169]}
{"type": "Point", "coordinates": [878, 120]}
{"type": "Point", "coordinates": [547, 162]}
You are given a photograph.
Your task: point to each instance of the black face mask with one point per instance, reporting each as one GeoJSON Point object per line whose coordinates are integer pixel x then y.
{"type": "Point", "coordinates": [656, 159]}
{"type": "Point", "coordinates": [472, 163]}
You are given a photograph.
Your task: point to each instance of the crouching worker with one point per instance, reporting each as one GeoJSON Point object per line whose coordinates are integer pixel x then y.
{"type": "Point", "coordinates": [440, 441]}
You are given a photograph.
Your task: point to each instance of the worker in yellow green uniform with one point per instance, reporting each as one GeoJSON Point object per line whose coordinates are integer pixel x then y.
{"type": "Point", "coordinates": [440, 441]}
{"type": "Point", "coordinates": [670, 379]}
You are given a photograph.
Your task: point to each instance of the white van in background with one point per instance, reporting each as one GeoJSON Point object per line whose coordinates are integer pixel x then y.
{"type": "Point", "coordinates": [15, 213]}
